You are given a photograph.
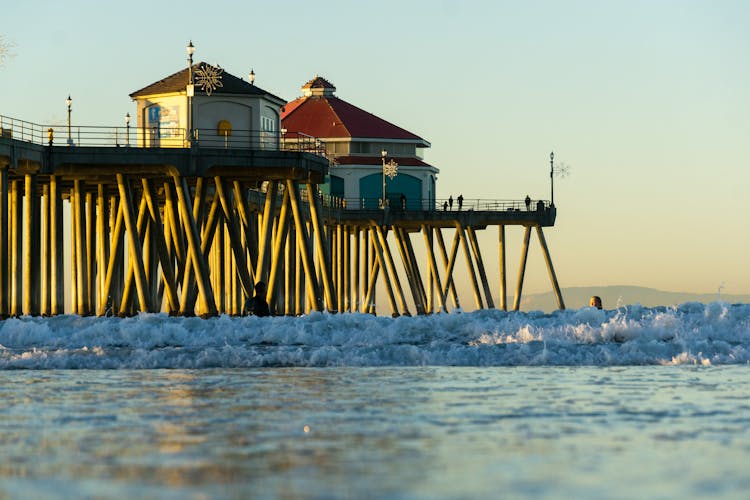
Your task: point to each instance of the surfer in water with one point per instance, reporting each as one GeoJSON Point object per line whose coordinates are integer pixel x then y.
{"type": "Point", "coordinates": [257, 304]}
{"type": "Point", "coordinates": [595, 301]}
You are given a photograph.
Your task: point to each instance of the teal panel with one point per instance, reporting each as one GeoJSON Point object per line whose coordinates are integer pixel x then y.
{"type": "Point", "coordinates": [371, 190]}
{"type": "Point", "coordinates": [333, 186]}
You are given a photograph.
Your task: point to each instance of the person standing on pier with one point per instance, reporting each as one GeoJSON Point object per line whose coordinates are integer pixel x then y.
{"type": "Point", "coordinates": [450, 202]}
{"type": "Point", "coordinates": [528, 203]}
{"type": "Point", "coordinates": [460, 201]}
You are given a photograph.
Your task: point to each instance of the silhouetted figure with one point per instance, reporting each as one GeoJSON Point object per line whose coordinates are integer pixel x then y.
{"type": "Point", "coordinates": [528, 203]}
{"type": "Point", "coordinates": [445, 206]}
{"type": "Point", "coordinates": [460, 201]}
{"type": "Point", "coordinates": [257, 304]}
{"type": "Point", "coordinates": [450, 202]}
{"type": "Point", "coordinates": [595, 301]}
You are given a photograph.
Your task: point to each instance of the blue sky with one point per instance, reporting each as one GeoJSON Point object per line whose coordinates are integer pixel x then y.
{"type": "Point", "coordinates": [646, 102]}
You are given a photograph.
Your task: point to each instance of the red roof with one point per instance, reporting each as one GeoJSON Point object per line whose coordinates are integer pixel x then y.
{"type": "Point", "coordinates": [376, 160]}
{"type": "Point", "coordinates": [329, 116]}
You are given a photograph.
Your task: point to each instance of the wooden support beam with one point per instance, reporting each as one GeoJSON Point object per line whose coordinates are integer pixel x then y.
{"type": "Point", "coordinates": [194, 251]}
{"type": "Point", "coordinates": [16, 257]}
{"type": "Point", "coordinates": [31, 236]}
{"type": "Point", "coordinates": [392, 271]}
{"type": "Point", "coordinates": [136, 266]}
{"type": "Point", "coordinates": [503, 270]}
{"type": "Point", "coordinates": [235, 239]}
{"type": "Point", "coordinates": [417, 272]}
{"type": "Point", "coordinates": [522, 268]}
{"type": "Point", "coordinates": [380, 250]}
{"type": "Point", "coordinates": [266, 234]}
{"type": "Point", "coordinates": [411, 272]}
{"type": "Point", "coordinates": [432, 263]}
{"type": "Point", "coordinates": [337, 258]}
{"type": "Point", "coordinates": [249, 226]}
{"type": "Point", "coordinates": [480, 266]}
{"type": "Point", "coordinates": [550, 269]}
{"type": "Point", "coordinates": [305, 247]}
{"type": "Point", "coordinates": [178, 238]}
{"type": "Point", "coordinates": [190, 293]}
{"type": "Point", "coordinates": [469, 265]}
{"type": "Point", "coordinates": [168, 275]}
{"type": "Point", "coordinates": [347, 270]}
{"type": "Point", "coordinates": [449, 264]}
{"type": "Point", "coordinates": [44, 299]}
{"type": "Point", "coordinates": [107, 299]}
{"type": "Point", "coordinates": [276, 256]}
{"type": "Point", "coordinates": [57, 264]}
{"type": "Point", "coordinates": [290, 253]}
{"type": "Point", "coordinates": [118, 278]}
{"type": "Point", "coordinates": [299, 276]}
{"type": "Point", "coordinates": [82, 277]}
{"type": "Point", "coordinates": [4, 243]}
{"type": "Point", "coordinates": [102, 243]}
{"type": "Point", "coordinates": [90, 242]}
{"type": "Point", "coordinates": [135, 250]}
{"type": "Point", "coordinates": [320, 243]}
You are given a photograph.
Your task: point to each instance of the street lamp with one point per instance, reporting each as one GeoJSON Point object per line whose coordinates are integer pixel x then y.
{"type": "Point", "coordinates": [251, 77]}
{"type": "Point", "coordinates": [552, 178]}
{"type": "Point", "coordinates": [190, 91]}
{"type": "Point", "coordinates": [69, 102]}
{"type": "Point", "coordinates": [283, 136]}
{"type": "Point", "coordinates": [127, 128]}
{"type": "Point", "coordinates": [390, 169]}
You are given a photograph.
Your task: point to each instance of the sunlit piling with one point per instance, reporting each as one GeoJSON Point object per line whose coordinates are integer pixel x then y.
{"type": "Point", "coordinates": [120, 230]}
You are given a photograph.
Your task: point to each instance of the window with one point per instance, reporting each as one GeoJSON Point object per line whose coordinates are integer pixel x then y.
{"type": "Point", "coordinates": [267, 124]}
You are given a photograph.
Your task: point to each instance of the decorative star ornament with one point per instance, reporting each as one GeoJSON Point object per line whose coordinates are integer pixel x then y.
{"type": "Point", "coordinates": [208, 78]}
{"type": "Point", "coordinates": [390, 169]}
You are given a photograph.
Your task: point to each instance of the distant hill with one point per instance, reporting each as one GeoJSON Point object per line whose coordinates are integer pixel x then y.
{"type": "Point", "coordinates": [613, 296]}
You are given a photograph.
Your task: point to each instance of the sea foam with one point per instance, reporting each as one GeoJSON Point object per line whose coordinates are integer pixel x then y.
{"type": "Point", "coordinates": [692, 333]}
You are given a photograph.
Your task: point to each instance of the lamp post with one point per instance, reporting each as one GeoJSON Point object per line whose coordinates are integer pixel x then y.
{"type": "Point", "coordinates": [251, 77]}
{"type": "Point", "coordinates": [552, 178]}
{"type": "Point", "coordinates": [127, 129]}
{"type": "Point", "coordinates": [190, 91]}
{"type": "Point", "coordinates": [283, 137]}
{"type": "Point", "coordinates": [69, 102]}
{"type": "Point", "coordinates": [390, 169]}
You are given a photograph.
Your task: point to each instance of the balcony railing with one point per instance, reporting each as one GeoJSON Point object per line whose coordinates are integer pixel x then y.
{"type": "Point", "coordinates": [156, 137]}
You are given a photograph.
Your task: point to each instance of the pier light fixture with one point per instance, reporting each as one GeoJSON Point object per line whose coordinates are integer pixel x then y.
{"type": "Point", "coordinates": [390, 169]}
{"type": "Point", "coordinates": [251, 77]}
{"type": "Point", "coordinates": [190, 92]}
{"type": "Point", "coordinates": [552, 179]}
{"type": "Point", "coordinates": [283, 137]}
{"type": "Point", "coordinates": [69, 103]}
{"type": "Point", "coordinates": [127, 129]}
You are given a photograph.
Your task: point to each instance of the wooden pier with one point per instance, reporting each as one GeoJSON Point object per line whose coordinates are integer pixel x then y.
{"type": "Point", "coordinates": [113, 229]}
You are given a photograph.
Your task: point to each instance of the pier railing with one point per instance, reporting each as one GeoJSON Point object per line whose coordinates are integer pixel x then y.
{"type": "Point", "coordinates": [156, 137]}
{"type": "Point", "coordinates": [435, 204]}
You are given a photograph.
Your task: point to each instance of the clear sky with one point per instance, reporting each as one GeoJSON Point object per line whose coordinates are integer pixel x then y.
{"type": "Point", "coordinates": [647, 102]}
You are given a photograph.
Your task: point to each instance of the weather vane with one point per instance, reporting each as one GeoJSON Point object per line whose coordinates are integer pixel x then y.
{"type": "Point", "coordinates": [208, 78]}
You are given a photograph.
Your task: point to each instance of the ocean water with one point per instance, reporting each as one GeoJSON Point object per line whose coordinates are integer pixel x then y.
{"type": "Point", "coordinates": [629, 403]}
